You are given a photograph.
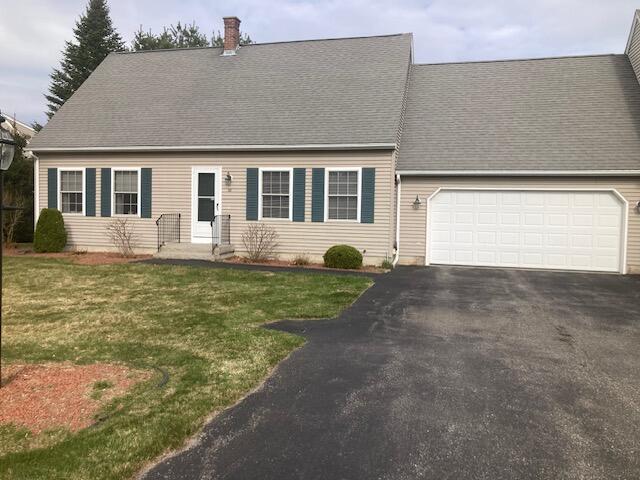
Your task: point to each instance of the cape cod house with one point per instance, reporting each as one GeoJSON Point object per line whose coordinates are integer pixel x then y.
{"type": "Point", "coordinates": [521, 163]}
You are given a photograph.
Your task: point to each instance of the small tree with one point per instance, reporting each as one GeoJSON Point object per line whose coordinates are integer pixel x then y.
{"type": "Point", "coordinates": [51, 235]}
{"type": "Point", "coordinates": [260, 241]}
{"type": "Point", "coordinates": [122, 236]}
{"type": "Point", "coordinates": [12, 218]}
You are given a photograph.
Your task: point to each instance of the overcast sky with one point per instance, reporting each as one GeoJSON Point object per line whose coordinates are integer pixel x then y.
{"type": "Point", "coordinates": [32, 32]}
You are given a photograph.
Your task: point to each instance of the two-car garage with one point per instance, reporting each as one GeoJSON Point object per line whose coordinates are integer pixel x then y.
{"type": "Point", "coordinates": [524, 163]}
{"type": "Point", "coordinates": [552, 229]}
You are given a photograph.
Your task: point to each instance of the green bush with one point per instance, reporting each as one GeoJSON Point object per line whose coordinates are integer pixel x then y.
{"type": "Point", "coordinates": [51, 235]}
{"type": "Point", "coordinates": [342, 256]}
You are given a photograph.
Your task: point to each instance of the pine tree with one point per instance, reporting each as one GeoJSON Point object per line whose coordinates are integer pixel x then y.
{"type": "Point", "coordinates": [217, 40]}
{"type": "Point", "coordinates": [180, 36]}
{"type": "Point", "coordinates": [95, 38]}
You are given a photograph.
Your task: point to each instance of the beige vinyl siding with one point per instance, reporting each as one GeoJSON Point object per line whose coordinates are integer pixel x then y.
{"type": "Point", "coordinates": [413, 222]}
{"type": "Point", "coordinates": [633, 50]}
{"type": "Point", "coordinates": [171, 192]}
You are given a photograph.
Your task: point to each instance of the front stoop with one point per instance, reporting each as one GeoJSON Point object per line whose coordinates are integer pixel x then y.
{"type": "Point", "coordinates": [195, 251]}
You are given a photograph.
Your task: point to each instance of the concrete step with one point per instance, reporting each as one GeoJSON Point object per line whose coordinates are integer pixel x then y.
{"type": "Point", "coordinates": [195, 251]}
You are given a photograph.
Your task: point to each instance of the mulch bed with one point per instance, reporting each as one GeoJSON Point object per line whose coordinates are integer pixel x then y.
{"type": "Point", "coordinates": [41, 397]}
{"type": "Point", "coordinates": [314, 266]}
{"type": "Point", "coordinates": [80, 258]}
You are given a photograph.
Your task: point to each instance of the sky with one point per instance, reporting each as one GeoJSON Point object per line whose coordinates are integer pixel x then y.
{"type": "Point", "coordinates": [33, 32]}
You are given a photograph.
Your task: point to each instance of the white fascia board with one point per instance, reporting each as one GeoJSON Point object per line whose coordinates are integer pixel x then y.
{"type": "Point", "coordinates": [220, 148]}
{"type": "Point", "coordinates": [518, 173]}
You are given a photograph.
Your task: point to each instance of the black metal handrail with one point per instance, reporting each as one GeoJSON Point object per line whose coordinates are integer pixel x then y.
{"type": "Point", "coordinates": [221, 230]}
{"type": "Point", "coordinates": [168, 225]}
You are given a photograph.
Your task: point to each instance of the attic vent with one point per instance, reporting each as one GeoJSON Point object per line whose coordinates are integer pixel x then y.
{"type": "Point", "coordinates": [231, 35]}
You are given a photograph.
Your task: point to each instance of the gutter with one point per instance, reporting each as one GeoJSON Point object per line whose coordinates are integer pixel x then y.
{"type": "Point", "coordinates": [396, 257]}
{"type": "Point", "coordinates": [518, 173]}
{"type": "Point", "coordinates": [36, 186]}
{"type": "Point", "coordinates": [219, 148]}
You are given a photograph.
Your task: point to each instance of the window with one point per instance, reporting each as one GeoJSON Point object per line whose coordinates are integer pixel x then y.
{"type": "Point", "coordinates": [72, 191]}
{"type": "Point", "coordinates": [125, 191]}
{"type": "Point", "coordinates": [276, 194]}
{"type": "Point", "coordinates": [343, 192]}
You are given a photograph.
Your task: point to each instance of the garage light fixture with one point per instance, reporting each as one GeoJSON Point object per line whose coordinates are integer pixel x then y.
{"type": "Point", "coordinates": [638, 207]}
{"type": "Point", "coordinates": [417, 202]}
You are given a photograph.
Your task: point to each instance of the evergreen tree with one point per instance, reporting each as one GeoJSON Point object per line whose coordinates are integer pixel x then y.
{"type": "Point", "coordinates": [95, 38]}
{"type": "Point", "coordinates": [180, 36]}
{"type": "Point", "coordinates": [18, 189]}
{"type": "Point", "coordinates": [218, 40]}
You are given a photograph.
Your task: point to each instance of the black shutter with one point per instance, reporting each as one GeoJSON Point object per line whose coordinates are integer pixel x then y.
{"type": "Point", "coordinates": [145, 186]}
{"type": "Point", "coordinates": [367, 201]}
{"type": "Point", "coordinates": [105, 192]}
{"type": "Point", "coordinates": [52, 188]}
{"type": "Point", "coordinates": [317, 195]}
{"type": "Point", "coordinates": [298, 194]}
{"type": "Point", "coordinates": [90, 192]}
{"type": "Point", "coordinates": [252, 194]}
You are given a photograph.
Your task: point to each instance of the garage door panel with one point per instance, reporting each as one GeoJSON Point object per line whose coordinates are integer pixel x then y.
{"type": "Point", "coordinates": [508, 219]}
{"type": "Point", "coordinates": [533, 240]}
{"type": "Point", "coordinates": [536, 229]}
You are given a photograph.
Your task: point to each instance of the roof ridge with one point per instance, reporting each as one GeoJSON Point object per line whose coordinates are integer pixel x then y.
{"type": "Point", "coordinates": [531, 59]}
{"type": "Point", "coordinates": [330, 39]}
{"type": "Point", "coordinates": [157, 50]}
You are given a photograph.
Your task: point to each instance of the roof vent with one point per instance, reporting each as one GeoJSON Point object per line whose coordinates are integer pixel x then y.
{"type": "Point", "coordinates": [231, 35]}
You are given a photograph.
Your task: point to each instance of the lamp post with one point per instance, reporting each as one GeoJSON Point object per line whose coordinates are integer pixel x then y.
{"type": "Point", "coordinates": [7, 148]}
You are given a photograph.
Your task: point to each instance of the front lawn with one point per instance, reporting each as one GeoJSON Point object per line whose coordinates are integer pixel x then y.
{"type": "Point", "coordinates": [200, 325]}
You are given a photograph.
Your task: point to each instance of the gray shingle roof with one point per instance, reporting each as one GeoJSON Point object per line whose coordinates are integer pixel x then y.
{"type": "Point", "coordinates": [574, 113]}
{"type": "Point", "coordinates": [343, 91]}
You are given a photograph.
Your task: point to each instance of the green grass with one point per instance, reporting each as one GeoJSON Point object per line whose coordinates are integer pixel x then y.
{"type": "Point", "coordinates": [200, 325]}
{"type": "Point", "coordinates": [99, 387]}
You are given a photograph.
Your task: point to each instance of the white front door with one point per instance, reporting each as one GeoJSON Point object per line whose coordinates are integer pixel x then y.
{"type": "Point", "coordinates": [567, 230]}
{"type": "Point", "coordinates": [206, 202]}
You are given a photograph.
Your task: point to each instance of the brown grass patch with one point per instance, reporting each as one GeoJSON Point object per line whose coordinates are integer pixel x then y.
{"type": "Point", "coordinates": [78, 257]}
{"type": "Point", "coordinates": [46, 396]}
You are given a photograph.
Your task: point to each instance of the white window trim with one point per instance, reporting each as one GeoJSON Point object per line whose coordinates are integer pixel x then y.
{"type": "Point", "coordinates": [84, 190]}
{"type": "Point", "coordinates": [113, 192]}
{"type": "Point", "coordinates": [326, 193]}
{"type": "Point", "coordinates": [275, 169]}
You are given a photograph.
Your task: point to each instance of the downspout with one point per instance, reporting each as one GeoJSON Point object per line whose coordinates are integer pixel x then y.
{"type": "Point", "coordinates": [36, 188]}
{"type": "Point", "coordinates": [396, 257]}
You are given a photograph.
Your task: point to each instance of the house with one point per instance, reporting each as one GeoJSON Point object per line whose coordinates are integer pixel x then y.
{"type": "Point", "coordinates": [16, 126]}
{"type": "Point", "coordinates": [522, 163]}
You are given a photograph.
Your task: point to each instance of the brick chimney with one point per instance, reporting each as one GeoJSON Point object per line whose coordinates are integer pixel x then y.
{"type": "Point", "coordinates": [231, 35]}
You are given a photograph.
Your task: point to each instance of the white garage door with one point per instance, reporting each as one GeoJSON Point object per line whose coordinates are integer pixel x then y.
{"type": "Point", "coordinates": [569, 230]}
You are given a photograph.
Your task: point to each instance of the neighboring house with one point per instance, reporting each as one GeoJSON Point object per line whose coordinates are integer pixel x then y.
{"type": "Point", "coordinates": [523, 163]}
{"type": "Point", "coordinates": [15, 125]}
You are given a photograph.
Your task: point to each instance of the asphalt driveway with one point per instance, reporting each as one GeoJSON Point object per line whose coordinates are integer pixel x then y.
{"type": "Point", "coordinates": [446, 373]}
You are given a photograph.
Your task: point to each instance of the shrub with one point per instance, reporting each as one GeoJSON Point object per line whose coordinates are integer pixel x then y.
{"type": "Point", "coordinates": [342, 256]}
{"type": "Point", "coordinates": [51, 235]}
{"type": "Point", "coordinates": [121, 234]}
{"type": "Point", "coordinates": [301, 259]}
{"type": "Point", "coordinates": [260, 241]}
{"type": "Point", "coordinates": [387, 264]}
